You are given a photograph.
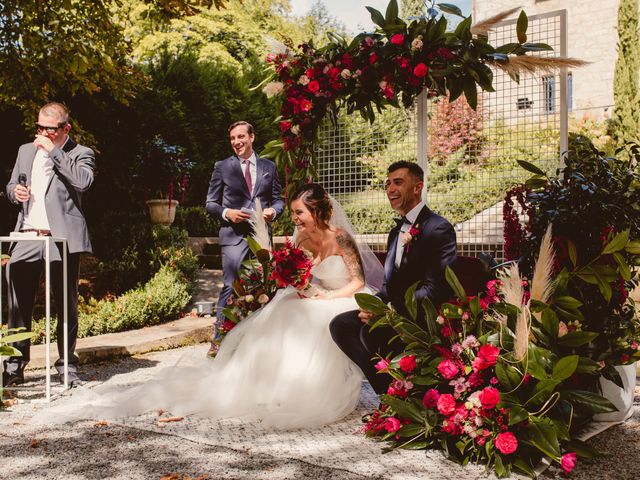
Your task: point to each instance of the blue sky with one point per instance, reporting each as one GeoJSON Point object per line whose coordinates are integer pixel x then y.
{"type": "Point", "coordinates": [353, 13]}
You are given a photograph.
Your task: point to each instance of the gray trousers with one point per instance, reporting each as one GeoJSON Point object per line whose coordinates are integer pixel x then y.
{"type": "Point", "coordinates": [232, 258]}
{"type": "Point", "coordinates": [24, 272]}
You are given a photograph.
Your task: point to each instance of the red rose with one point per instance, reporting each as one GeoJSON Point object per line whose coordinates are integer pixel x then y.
{"type": "Point", "coordinates": [420, 70]}
{"type": "Point", "coordinates": [392, 424]}
{"type": "Point", "coordinates": [285, 126]}
{"type": "Point", "coordinates": [334, 72]}
{"type": "Point", "coordinates": [448, 369]}
{"type": "Point", "coordinates": [373, 58]}
{"type": "Point", "coordinates": [313, 86]}
{"type": "Point", "coordinates": [446, 404]}
{"type": "Point", "coordinates": [445, 53]}
{"type": "Point", "coordinates": [489, 397]}
{"type": "Point", "coordinates": [397, 39]}
{"type": "Point", "coordinates": [430, 398]}
{"type": "Point", "coordinates": [568, 462]}
{"type": "Point", "coordinates": [305, 105]}
{"type": "Point", "coordinates": [489, 355]}
{"type": "Point", "coordinates": [506, 442]}
{"type": "Point", "coordinates": [408, 363]}
{"type": "Point", "coordinates": [227, 326]}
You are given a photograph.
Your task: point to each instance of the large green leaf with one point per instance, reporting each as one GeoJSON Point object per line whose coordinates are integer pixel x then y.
{"type": "Point", "coordinates": [404, 408]}
{"type": "Point", "coordinates": [633, 247]}
{"type": "Point", "coordinates": [565, 367]}
{"type": "Point", "coordinates": [588, 401]}
{"type": "Point", "coordinates": [371, 303]}
{"type": "Point", "coordinates": [452, 9]}
{"type": "Point", "coordinates": [550, 323]}
{"type": "Point", "coordinates": [392, 12]}
{"type": "Point", "coordinates": [530, 167]}
{"type": "Point", "coordinates": [617, 243]}
{"type": "Point", "coordinates": [517, 414]}
{"type": "Point", "coordinates": [17, 337]}
{"type": "Point", "coordinates": [545, 439]}
{"type": "Point", "coordinates": [456, 286]}
{"type": "Point", "coordinates": [623, 267]}
{"type": "Point", "coordinates": [9, 351]}
{"type": "Point", "coordinates": [507, 375]}
{"type": "Point", "coordinates": [577, 339]}
{"type": "Point", "coordinates": [376, 17]}
{"type": "Point", "coordinates": [410, 301]}
{"type": "Point", "coordinates": [521, 27]}
{"type": "Point", "coordinates": [542, 392]}
{"type": "Point", "coordinates": [430, 315]}
{"type": "Point", "coordinates": [567, 302]}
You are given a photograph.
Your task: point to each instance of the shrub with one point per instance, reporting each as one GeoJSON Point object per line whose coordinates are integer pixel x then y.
{"type": "Point", "coordinates": [196, 221]}
{"type": "Point", "coordinates": [160, 300]}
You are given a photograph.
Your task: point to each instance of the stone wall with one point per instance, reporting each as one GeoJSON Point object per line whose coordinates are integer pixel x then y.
{"type": "Point", "coordinates": [591, 36]}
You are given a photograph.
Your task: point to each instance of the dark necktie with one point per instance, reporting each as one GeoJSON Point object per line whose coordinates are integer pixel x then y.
{"type": "Point", "coordinates": [247, 175]}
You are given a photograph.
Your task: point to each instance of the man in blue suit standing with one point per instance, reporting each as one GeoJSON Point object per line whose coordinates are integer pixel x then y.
{"type": "Point", "coordinates": [236, 182]}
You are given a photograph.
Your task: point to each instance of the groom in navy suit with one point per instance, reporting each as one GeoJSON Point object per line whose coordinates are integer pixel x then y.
{"type": "Point", "coordinates": [418, 250]}
{"type": "Point", "coordinates": [235, 184]}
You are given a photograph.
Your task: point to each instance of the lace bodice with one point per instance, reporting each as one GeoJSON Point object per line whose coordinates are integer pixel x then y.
{"type": "Point", "coordinates": [331, 273]}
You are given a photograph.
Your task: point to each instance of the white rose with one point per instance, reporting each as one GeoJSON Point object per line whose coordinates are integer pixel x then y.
{"type": "Point", "coordinates": [262, 299]}
{"type": "Point", "coordinates": [272, 89]}
{"type": "Point", "coordinates": [249, 298]}
{"type": "Point", "coordinates": [346, 73]}
{"type": "Point", "coordinates": [417, 44]}
{"type": "Point", "coordinates": [295, 129]}
{"type": "Point", "coordinates": [303, 80]}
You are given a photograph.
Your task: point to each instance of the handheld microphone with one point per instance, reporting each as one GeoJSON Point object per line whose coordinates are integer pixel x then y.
{"type": "Point", "coordinates": [22, 180]}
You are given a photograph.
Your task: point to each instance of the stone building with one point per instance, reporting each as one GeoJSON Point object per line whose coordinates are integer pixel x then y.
{"type": "Point", "coordinates": [591, 36]}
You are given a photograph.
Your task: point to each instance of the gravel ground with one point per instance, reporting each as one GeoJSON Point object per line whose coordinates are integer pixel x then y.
{"type": "Point", "coordinates": [96, 450]}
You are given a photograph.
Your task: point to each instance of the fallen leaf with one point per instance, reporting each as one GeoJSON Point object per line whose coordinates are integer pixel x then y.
{"type": "Point", "coordinates": [171, 419]}
{"type": "Point", "coordinates": [34, 443]}
{"type": "Point", "coordinates": [101, 424]}
{"type": "Point", "coordinates": [160, 412]}
{"type": "Point", "coordinates": [202, 477]}
{"type": "Point", "coordinates": [131, 437]}
{"type": "Point", "coordinates": [9, 403]}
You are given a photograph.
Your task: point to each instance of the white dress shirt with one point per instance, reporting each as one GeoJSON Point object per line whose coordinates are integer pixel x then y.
{"type": "Point", "coordinates": [411, 216]}
{"type": "Point", "coordinates": [41, 172]}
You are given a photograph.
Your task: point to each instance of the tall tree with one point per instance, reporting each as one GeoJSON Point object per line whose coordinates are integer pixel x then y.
{"type": "Point", "coordinates": [626, 90]}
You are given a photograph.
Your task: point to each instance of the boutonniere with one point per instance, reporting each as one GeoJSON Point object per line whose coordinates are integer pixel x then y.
{"type": "Point", "coordinates": [408, 238]}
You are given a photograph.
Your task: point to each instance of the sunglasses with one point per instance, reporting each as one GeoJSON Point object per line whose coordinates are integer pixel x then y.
{"type": "Point", "coordinates": [50, 130]}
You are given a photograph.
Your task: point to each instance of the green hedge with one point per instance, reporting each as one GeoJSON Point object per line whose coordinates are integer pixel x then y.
{"type": "Point", "coordinates": [161, 299]}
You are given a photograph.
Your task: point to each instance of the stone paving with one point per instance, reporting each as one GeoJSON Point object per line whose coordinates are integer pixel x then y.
{"type": "Point", "coordinates": [196, 447]}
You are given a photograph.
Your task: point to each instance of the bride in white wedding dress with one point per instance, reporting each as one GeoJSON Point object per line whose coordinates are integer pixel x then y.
{"type": "Point", "coordinates": [280, 364]}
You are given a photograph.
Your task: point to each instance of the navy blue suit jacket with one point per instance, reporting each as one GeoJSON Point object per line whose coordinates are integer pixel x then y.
{"type": "Point", "coordinates": [228, 189]}
{"type": "Point", "coordinates": [429, 253]}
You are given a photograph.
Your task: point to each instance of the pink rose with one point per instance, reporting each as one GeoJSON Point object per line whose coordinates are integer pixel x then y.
{"type": "Point", "coordinates": [568, 462]}
{"type": "Point", "coordinates": [420, 70]}
{"type": "Point", "coordinates": [392, 424]}
{"type": "Point", "coordinates": [448, 369]}
{"type": "Point", "coordinates": [506, 443]}
{"type": "Point", "coordinates": [397, 39]}
{"type": "Point", "coordinates": [446, 404]}
{"type": "Point", "coordinates": [430, 398]}
{"type": "Point", "coordinates": [489, 397]}
{"type": "Point", "coordinates": [382, 364]}
{"type": "Point", "coordinates": [408, 363]}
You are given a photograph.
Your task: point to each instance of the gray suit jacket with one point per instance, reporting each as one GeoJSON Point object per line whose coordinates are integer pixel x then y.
{"type": "Point", "coordinates": [73, 167]}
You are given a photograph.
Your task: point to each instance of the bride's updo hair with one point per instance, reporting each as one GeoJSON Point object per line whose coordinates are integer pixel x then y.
{"type": "Point", "coordinates": [317, 200]}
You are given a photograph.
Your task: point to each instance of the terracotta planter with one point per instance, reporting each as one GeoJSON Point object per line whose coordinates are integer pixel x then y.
{"type": "Point", "coordinates": [161, 211]}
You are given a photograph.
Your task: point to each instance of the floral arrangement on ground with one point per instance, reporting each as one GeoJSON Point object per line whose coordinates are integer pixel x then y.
{"type": "Point", "coordinates": [509, 377]}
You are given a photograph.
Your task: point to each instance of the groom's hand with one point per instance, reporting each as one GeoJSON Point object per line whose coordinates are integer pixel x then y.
{"type": "Point", "coordinates": [365, 316]}
{"type": "Point", "coordinates": [237, 216]}
{"type": "Point", "coordinates": [269, 214]}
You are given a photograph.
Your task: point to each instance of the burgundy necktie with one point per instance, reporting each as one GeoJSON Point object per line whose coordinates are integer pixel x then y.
{"type": "Point", "coordinates": [247, 176]}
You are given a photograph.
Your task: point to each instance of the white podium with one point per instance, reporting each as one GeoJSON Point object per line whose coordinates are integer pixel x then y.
{"type": "Point", "coordinates": [47, 240]}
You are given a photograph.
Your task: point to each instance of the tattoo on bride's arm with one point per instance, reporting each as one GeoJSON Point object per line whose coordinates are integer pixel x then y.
{"type": "Point", "coordinates": [351, 255]}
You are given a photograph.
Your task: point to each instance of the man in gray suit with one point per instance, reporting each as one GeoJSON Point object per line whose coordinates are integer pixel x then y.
{"type": "Point", "coordinates": [48, 179]}
{"type": "Point", "coordinates": [235, 184]}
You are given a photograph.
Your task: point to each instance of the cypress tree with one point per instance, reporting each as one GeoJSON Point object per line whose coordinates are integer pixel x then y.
{"type": "Point", "coordinates": [626, 90]}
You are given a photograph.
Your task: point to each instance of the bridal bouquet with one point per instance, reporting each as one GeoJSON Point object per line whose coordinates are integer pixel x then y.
{"type": "Point", "coordinates": [291, 266]}
{"type": "Point", "coordinates": [499, 379]}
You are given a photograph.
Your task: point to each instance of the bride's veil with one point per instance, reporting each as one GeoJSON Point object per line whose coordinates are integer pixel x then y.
{"type": "Point", "coordinates": [373, 269]}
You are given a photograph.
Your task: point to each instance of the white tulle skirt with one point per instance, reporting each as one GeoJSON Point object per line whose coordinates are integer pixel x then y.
{"type": "Point", "coordinates": [280, 365]}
